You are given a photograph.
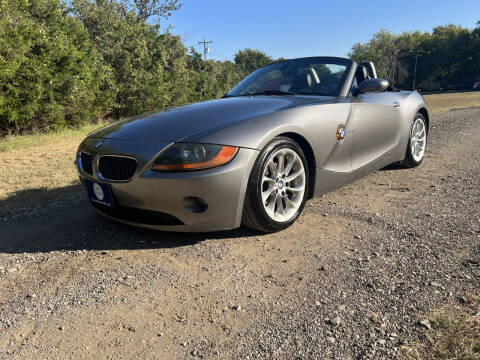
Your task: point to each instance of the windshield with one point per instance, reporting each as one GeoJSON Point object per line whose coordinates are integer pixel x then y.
{"type": "Point", "coordinates": [308, 76]}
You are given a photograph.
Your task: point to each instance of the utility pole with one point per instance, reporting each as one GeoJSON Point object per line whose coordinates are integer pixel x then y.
{"type": "Point", "coordinates": [206, 49]}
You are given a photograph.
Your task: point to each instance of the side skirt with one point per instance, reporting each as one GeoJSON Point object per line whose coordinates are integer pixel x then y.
{"type": "Point", "coordinates": [327, 181]}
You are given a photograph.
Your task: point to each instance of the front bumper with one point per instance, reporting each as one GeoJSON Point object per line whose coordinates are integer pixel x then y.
{"type": "Point", "coordinates": [149, 193]}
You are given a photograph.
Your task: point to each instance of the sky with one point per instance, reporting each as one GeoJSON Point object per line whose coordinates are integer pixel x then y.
{"type": "Point", "coordinates": [297, 28]}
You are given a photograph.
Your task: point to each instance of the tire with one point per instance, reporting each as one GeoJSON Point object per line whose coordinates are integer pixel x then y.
{"type": "Point", "coordinates": [417, 137]}
{"type": "Point", "coordinates": [275, 199]}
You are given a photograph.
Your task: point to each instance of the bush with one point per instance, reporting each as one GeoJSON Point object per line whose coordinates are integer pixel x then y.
{"type": "Point", "coordinates": [145, 64]}
{"type": "Point", "coordinates": [64, 66]}
{"type": "Point", "coordinates": [210, 79]}
{"type": "Point", "coordinates": [50, 73]}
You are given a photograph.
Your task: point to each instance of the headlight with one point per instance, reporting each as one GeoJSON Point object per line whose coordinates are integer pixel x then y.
{"type": "Point", "coordinates": [190, 156]}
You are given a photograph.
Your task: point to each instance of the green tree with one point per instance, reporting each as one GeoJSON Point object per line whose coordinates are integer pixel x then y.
{"type": "Point", "coordinates": [384, 51]}
{"type": "Point", "coordinates": [50, 75]}
{"type": "Point", "coordinates": [148, 67]}
{"type": "Point", "coordinates": [475, 50]}
{"type": "Point", "coordinates": [147, 9]}
{"type": "Point", "coordinates": [210, 79]}
{"type": "Point", "coordinates": [250, 60]}
{"type": "Point", "coordinates": [447, 55]}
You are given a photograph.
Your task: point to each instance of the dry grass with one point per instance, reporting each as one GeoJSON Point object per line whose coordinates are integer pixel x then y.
{"type": "Point", "coordinates": [41, 166]}
{"type": "Point", "coordinates": [438, 103]}
{"type": "Point", "coordinates": [455, 333]}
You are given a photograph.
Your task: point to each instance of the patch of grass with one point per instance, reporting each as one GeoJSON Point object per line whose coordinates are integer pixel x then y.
{"type": "Point", "coordinates": [455, 333]}
{"type": "Point", "coordinates": [438, 103]}
{"type": "Point", "coordinates": [39, 166]}
{"type": "Point", "coordinates": [25, 141]}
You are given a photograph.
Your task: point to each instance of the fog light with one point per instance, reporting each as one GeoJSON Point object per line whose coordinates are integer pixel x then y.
{"type": "Point", "coordinates": [194, 204]}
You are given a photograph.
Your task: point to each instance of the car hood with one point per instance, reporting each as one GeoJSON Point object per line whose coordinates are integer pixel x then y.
{"type": "Point", "coordinates": [181, 122]}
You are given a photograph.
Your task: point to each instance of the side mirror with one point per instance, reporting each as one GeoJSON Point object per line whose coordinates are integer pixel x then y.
{"type": "Point", "coordinates": [372, 86]}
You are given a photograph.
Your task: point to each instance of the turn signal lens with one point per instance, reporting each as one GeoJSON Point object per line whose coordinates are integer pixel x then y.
{"type": "Point", "coordinates": [190, 156]}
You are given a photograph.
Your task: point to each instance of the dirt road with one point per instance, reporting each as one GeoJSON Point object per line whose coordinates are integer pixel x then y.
{"type": "Point", "coordinates": [350, 280]}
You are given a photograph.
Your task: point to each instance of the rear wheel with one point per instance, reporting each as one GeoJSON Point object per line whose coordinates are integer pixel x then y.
{"type": "Point", "coordinates": [417, 143]}
{"type": "Point", "coordinates": [277, 187]}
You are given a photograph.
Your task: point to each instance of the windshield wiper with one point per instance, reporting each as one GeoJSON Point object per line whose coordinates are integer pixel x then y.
{"type": "Point", "coordinates": [310, 93]}
{"type": "Point", "coordinates": [272, 92]}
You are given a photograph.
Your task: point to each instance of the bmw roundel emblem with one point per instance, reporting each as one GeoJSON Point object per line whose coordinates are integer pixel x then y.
{"type": "Point", "coordinates": [97, 190]}
{"type": "Point", "coordinates": [98, 144]}
{"type": "Point", "coordinates": [340, 133]}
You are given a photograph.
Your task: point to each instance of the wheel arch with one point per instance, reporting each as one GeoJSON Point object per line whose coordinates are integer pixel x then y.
{"type": "Point", "coordinates": [309, 154]}
{"type": "Point", "coordinates": [424, 112]}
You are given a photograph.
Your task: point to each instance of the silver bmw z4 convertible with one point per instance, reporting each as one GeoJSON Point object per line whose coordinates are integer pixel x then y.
{"type": "Point", "coordinates": [288, 132]}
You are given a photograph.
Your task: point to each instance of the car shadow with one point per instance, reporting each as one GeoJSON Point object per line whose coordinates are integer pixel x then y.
{"type": "Point", "coordinates": [63, 220]}
{"type": "Point", "coordinates": [29, 196]}
{"type": "Point", "coordinates": [393, 167]}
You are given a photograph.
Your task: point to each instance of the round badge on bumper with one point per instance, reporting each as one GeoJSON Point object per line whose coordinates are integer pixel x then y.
{"type": "Point", "coordinates": [97, 189]}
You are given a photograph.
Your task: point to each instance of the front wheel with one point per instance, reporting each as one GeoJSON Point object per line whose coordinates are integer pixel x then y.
{"type": "Point", "coordinates": [417, 143]}
{"type": "Point", "coordinates": [277, 188]}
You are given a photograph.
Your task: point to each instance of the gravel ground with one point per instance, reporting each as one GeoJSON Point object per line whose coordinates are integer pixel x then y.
{"type": "Point", "coordinates": [354, 278]}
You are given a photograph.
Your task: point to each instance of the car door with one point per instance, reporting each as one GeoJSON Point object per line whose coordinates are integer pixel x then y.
{"type": "Point", "coordinates": [377, 126]}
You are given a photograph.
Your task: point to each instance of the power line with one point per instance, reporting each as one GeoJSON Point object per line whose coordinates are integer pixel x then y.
{"type": "Point", "coordinates": [206, 49]}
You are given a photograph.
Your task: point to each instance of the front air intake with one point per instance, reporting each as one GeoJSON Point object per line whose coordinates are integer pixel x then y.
{"type": "Point", "coordinates": [86, 163]}
{"type": "Point", "coordinates": [117, 168]}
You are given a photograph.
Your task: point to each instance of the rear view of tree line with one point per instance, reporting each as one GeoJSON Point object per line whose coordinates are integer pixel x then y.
{"type": "Point", "coordinates": [449, 56]}
{"type": "Point", "coordinates": [67, 63]}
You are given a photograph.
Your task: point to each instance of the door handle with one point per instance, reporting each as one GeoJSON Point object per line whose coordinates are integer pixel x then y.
{"type": "Point", "coordinates": [396, 105]}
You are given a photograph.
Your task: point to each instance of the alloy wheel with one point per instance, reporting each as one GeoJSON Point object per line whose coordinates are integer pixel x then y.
{"type": "Point", "coordinates": [418, 139]}
{"type": "Point", "coordinates": [283, 185]}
